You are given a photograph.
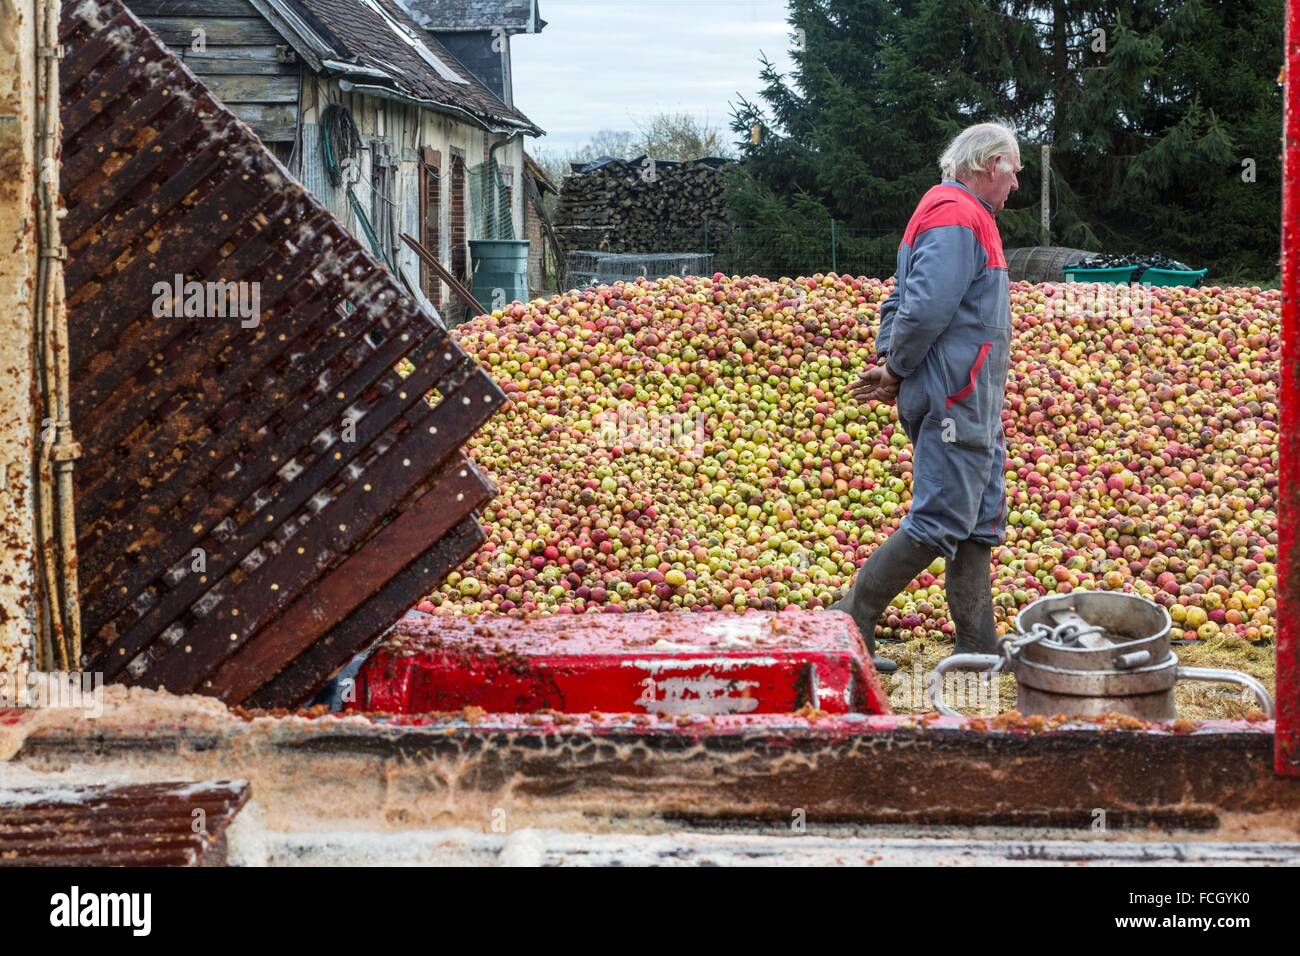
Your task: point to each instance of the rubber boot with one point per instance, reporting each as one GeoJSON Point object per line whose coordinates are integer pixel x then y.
{"type": "Point", "coordinates": [970, 599]}
{"type": "Point", "coordinates": [888, 570]}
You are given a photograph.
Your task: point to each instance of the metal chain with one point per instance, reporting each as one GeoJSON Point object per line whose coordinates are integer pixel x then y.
{"type": "Point", "coordinates": [1011, 646]}
{"type": "Point", "coordinates": [1065, 635]}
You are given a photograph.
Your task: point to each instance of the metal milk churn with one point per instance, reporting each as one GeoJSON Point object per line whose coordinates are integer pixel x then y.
{"type": "Point", "coordinates": [1089, 653]}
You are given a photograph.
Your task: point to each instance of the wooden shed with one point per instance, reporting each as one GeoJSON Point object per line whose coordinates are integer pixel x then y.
{"type": "Point", "coordinates": [427, 146]}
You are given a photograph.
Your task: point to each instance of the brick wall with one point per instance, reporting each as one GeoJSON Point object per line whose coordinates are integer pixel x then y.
{"type": "Point", "coordinates": [533, 233]}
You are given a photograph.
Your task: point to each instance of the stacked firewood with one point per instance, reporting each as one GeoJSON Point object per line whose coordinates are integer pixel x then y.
{"type": "Point", "coordinates": [640, 205]}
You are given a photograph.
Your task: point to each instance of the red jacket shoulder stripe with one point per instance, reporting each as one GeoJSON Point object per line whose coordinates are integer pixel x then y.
{"type": "Point", "coordinates": [945, 205]}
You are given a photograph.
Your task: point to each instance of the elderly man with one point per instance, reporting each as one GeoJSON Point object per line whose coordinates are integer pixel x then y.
{"type": "Point", "coordinates": [943, 347]}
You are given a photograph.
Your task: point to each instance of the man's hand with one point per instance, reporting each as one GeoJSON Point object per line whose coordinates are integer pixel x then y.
{"type": "Point", "coordinates": [875, 384]}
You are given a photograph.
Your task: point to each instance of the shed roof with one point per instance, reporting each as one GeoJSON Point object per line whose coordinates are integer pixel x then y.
{"type": "Point", "coordinates": [378, 48]}
{"type": "Point", "coordinates": [544, 181]}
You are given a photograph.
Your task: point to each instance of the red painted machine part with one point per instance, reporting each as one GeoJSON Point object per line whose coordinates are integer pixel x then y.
{"type": "Point", "coordinates": [670, 665]}
{"type": "Point", "coordinates": [1288, 631]}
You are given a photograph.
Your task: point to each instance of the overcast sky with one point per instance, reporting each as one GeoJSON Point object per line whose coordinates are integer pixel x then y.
{"type": "Point", "coordinates": [606, 64]}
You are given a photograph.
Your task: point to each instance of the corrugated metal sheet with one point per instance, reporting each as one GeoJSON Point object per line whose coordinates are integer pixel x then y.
{"type": "Point", "coordinates": [155, 824]}
{"type": "Point", "coordinates": [256, 502]}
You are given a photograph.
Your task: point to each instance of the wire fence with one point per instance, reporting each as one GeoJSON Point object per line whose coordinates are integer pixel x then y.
{"type": "Point", "coordinates": [490, 215]}
{"type": "Point", "coordinates": [716, 246]}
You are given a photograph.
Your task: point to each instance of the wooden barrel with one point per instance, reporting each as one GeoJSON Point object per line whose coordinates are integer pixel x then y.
{"type": "Point", "coordinates": [1041, 263]}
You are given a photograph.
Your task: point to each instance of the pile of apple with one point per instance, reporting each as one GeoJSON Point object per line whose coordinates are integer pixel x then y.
{"type": "Point", "coordinates": [690, 444]}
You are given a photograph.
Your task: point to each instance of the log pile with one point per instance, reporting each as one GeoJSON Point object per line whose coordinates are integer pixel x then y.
{"type": "Point", "coordinates": [640, 205]}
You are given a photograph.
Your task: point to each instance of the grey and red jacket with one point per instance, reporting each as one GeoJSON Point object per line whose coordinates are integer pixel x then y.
{"type": "Point", "coordinates": [945, 330]}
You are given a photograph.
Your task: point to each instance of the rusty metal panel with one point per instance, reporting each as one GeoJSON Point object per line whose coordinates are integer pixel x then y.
{"type": "Point", "coordinates": [259, 486]}
{"type": "Point", "coordinates": [155, 824]}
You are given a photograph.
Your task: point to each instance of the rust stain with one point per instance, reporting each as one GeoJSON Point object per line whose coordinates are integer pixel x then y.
{"type": "Point", "coordinates": [131, 825]}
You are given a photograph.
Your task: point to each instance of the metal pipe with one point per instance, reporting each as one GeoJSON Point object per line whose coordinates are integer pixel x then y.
{"type": "Point", "coordinates": [56, 461]}
{"type": "Point", "coordinates": [1218, 676]}
{"type": "Point", "coordinates": [54, 649]}
{"type": "Point", "coordinates": [491, 158]}
{"type": "Point", "coordinates": [504, 142]}
{"type": "Point", "coordinates": [989, 663]}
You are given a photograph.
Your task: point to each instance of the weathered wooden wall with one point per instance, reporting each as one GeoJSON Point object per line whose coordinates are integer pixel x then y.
{"type": "Point", "coordinates": [407, 129]}
{"type": "Point", "coordinates": [237, 54]}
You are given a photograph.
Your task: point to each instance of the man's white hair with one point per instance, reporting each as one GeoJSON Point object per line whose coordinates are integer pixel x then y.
{"type": "Point", "coordinates": [974, 147]}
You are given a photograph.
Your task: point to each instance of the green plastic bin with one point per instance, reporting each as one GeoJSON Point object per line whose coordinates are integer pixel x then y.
{"type": "Point", "coordinates": [500, 271]}
{"type": "Point", "coordinates": [1173, 276]}
{"type": "Point", "coordinates": [1120, 274]}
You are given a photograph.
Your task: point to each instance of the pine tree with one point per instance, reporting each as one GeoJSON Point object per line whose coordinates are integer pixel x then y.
{"type": "Point", "coordinates": [1164, 122]}
{"type": "Point", "coordinates": [1151, 107]}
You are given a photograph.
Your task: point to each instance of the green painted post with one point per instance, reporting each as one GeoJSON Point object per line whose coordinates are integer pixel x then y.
{"type": "Point", "coordinates": [835, 265]}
